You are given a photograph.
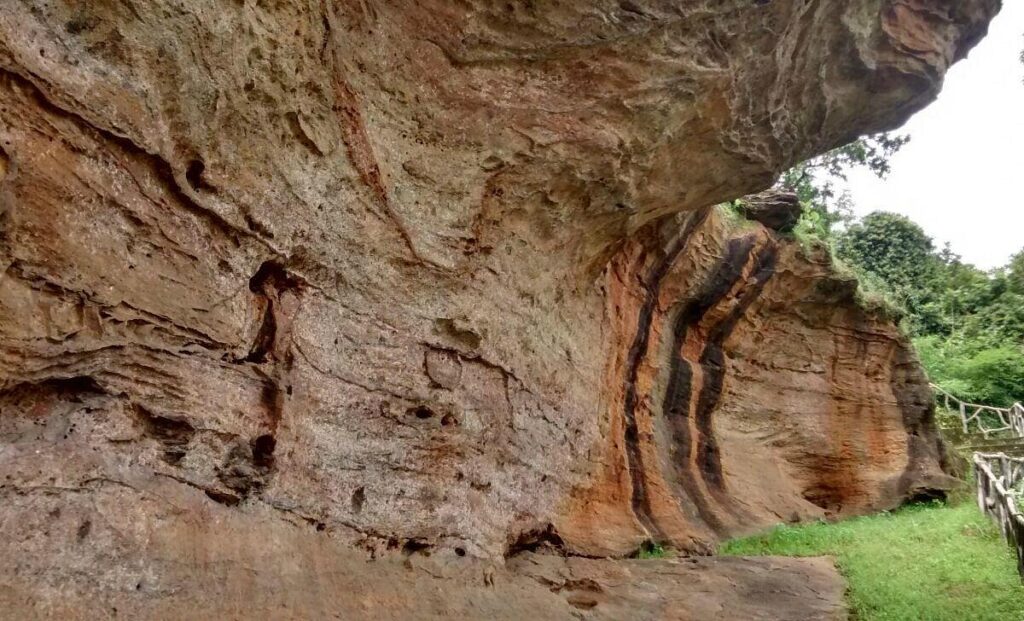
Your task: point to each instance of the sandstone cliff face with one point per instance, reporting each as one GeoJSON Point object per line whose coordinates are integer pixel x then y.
{"type": "Point", "coordinates": [406, 275]}
{"type": "Point", "coordinates": [749, 387]}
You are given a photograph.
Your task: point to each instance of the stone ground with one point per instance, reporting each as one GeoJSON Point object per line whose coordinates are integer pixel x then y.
{"type": "Point", "coordinates": [535, 586]}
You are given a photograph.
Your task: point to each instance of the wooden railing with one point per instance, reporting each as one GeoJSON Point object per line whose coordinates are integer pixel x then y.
{"type": "Point", "coordinates": [985, 419]}
{"type": "Point", "coordinates": [999, 479]}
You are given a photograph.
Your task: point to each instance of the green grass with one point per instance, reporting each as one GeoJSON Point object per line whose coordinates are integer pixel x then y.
{"type": "Point", "coordinates": [928, 562]}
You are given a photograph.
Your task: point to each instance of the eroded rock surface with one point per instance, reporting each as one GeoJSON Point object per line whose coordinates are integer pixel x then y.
{"type": "Point", "coordinates": [407, 275]}
{"type": "Point", "coordinates": [755, 389]}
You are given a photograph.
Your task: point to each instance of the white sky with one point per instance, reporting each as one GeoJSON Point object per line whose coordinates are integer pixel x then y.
{"type": "Point", "coordinates": [962, 173]}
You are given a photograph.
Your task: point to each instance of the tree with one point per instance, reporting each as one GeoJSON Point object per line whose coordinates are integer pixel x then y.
{"type": "Point", "coordinates": [1014, 273]}
{"type": "Point", "coordinates": [891, 246]}
{"type": "Point", "coordinates": [814, 181]}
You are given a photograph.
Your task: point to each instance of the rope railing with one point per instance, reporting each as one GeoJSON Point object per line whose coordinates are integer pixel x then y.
{"type": "Point", "coordinates": [998, 479]}
{"type": "Point", "coordinates": [1010, 419]}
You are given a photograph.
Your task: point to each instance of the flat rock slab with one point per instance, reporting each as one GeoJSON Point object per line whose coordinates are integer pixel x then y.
{"type": "Point", "coordinates": [537, 587]}
{"type": "Point", "coordinates": [69, 555]}
{"type": "Point", "coordinates": [698, 589]}
{"type": "Point", "coordinates": [113, 546]}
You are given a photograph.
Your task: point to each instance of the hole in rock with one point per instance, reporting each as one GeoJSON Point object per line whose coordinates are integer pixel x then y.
{"type": "Point", "coordinates": [460, 552]}
{"type": "Point", "coordinates": [268, 282]}
{"type": "Point", "coordinates": [828, 497]}
{"type": "Point", "coordinates": [263, 450]}
{"type": "Point", "coordinates": [415, 546]}
{"type": "Point", "coordinates": [358, 498]}
{"type": "Point", "coordinates": [925, 496]}
{"type": "Point", "coordinates": [5, 164]}
{"type": "Point", "coordinates": [631, 7]}
{"type": "Point", "coordinates": [173, 456]}
{"type": "Point", "coordinates": [533, 540]}
{"type": "Point", "coordinates": [421, 412]}
{"type": "Point", "coordinates": [194, 174]}
{"type": "Point", "coordinates": [222, 498]}
{"type": "Point", "coordinates": [582, 602]}
{"type": "Point", "coordinates": [449, 420]}
{"type": "Point", "coordinates": [173, 433]}
{"type": "Point", "coordinates": [272, 275]}
{"type": "Point", "coordinates": [70, 389]}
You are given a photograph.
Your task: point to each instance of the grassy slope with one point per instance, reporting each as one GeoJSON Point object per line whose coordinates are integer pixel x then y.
{"type": "Point", "coordinates": [926, 562]}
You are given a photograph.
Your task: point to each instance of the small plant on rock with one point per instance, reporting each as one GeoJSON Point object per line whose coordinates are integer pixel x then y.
{"type": "Point", "coordinates": [650, 549]}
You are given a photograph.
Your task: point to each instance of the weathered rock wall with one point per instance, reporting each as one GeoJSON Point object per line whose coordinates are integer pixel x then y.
{"type": "Point", "coordinates": [370, 269]}
{"type": "Point", "coordinates": [750, 386]}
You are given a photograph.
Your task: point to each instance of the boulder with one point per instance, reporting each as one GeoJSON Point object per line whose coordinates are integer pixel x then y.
{"type": "Point", "coordinates": [776, 209]}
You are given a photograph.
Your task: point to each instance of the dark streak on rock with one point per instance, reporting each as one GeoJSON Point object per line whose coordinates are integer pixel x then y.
{"type": "Point", "coordinates": [712, 359]}
{"type": "Point", "coordinates": [273, 285]}
{"type": "Point", "coordinates": [355, 136]}
{"type": "Point", "coordinates": [634, 457]}
{"type": "Point", "coordinates": [917, 406]}
{"type": "Point", "coordinates": [678, 393]}
{"type": "Point", "coordinates": [269, 281]}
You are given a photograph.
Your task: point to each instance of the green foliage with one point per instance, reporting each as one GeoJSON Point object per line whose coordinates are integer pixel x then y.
{"type": "Point", "coordinates": [825, 213]}
{"type": "Point", "coordinates": [814, 234]}
{"type": "Point", "coordinates": [968, 324]}
{"type": "Point", "coordinates": [993, 376]}
{"type": "Point", "coordinates": [813, 229]}
{"type": "Point", "coordinates": [653, 550]}
{"type": "Point", "coordinates": [813, 181]}
{"type": "Point", "coordinates": [989, 375]}
{"type": "Point", "coordinates": [894, 255]}
{"type": "Point", "coordinates": [891, 246]}
{"type": "Point", "coordinates": [934, 562]}
{"type": "Point", "coordinates": [732, 213]}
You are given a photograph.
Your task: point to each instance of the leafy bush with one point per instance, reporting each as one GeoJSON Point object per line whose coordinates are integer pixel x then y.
{"type": "Point", "coordinates": [992, 376]}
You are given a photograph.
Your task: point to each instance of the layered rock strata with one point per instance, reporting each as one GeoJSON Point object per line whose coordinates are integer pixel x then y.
{"type": "Point", "coordinates": [750, 386]}
{"type": "Point", "coordinates": [408, 276]}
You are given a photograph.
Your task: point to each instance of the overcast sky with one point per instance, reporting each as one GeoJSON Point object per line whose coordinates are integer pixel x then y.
{"type": "Point", "coordinates": [961, 176]}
